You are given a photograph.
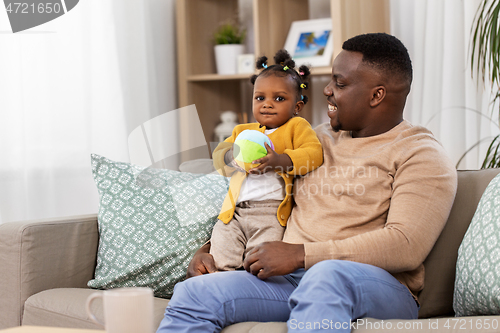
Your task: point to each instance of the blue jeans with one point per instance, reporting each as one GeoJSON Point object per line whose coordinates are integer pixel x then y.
{"type": "Point", "coordinates": [329, 295]}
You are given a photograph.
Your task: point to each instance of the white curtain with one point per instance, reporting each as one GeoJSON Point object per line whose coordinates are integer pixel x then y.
{"type": "Point", "coordinates": [444, 97]}
{"type": "Point", "coordinates": [75, 86]}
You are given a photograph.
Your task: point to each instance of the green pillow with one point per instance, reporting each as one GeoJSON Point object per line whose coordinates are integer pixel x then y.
{"type": "Point", "coordinates": [151, 221]}
{"type": "Point", "coordinates": [477, 282]}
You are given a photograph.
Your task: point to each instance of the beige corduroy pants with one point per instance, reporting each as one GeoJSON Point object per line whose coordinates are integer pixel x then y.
{"type": "Point", "coordinates": [253, 223]}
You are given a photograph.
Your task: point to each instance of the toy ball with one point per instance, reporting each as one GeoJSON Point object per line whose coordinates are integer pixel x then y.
{"type": "Point", "coordinates": [250, 147]}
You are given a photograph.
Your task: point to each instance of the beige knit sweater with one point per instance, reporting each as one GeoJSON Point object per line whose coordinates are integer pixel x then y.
{"type": "Point", "coordinates": [380, 200]}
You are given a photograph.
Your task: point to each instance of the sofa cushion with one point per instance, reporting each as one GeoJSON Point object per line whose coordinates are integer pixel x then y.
{"type": "Point", "coordinates": [256, 327]}
{"type": "Point", "coordinates": [477, 284]}
{"type": "Point", "coordinates": [65, 307]}
{"type": "Point", "coordinates": [437, 296]}
{"type": "Point", "coordinates": [151, 221]}
{"type": "Point", "coordinates": [31, 260]}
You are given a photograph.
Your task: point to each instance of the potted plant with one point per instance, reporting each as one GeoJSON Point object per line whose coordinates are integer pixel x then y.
{"type": "Point", "coordinates": [229, 39]}
{"type": "Point", "coordinates": [486, 59]}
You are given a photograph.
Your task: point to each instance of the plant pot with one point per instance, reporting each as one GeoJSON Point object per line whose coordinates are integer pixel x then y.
{"type": "Point", "coordinates": [226, 58]}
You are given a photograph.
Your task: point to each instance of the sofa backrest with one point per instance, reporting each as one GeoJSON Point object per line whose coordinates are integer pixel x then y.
{"type": "Point", "coordinates": [436, 298]}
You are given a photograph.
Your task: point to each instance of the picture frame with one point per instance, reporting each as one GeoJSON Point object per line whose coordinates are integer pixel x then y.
{"type": "Point", "coordinates": [311, 42]}
{"type": "Point", "coordinates": [246, 63]}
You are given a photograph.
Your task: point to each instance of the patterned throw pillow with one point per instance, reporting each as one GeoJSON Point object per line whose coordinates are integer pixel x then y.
{"type": "Point", "coordinates": [151, 221]}
{"type": "Point", "coordinates": [477, 282]}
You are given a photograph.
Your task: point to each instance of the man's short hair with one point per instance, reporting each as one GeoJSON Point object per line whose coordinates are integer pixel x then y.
{"type": "Point", "coordinates": [384, 52]}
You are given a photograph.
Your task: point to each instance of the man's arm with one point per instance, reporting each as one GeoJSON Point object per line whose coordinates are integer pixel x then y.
{"type": "Point", "coordinates": [423, 193]}
{"type": "Point", "coordinates": [424, 188]}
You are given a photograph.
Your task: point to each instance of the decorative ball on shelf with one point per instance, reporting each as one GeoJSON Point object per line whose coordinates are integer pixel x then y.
{"type": "Point", "coordinates": [249, 146]}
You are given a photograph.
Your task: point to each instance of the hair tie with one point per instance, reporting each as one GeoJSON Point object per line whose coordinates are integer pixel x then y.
{"type": "Point", "coordinates": [302, 97]}
{"type": "Point", "coordinates": [301, 73]}
{"type": "Point", "coordinates": [285, 68]}
{"type": "Point", "coordinates": [302, 85]}
{"type": "Point", "coordinates": [264, 65]}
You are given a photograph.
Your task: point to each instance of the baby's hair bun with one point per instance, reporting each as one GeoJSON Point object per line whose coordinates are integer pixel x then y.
{"type": "Point", "coordinates": [283, 58]}
{"type": "Point", "coordinates": [304, 72]}
{"type": "Point", "coordinates": [261, 62]}
{"type": "Point", "coordinates": [253, 78]}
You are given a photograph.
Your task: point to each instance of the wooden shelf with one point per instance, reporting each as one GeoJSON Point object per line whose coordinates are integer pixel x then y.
{"type": "Point", "coordinates": [217, 77]}
{"type": "Point", "coordinates": [321, 70]}
{"type": "Point", "coordinates": [213, 94]}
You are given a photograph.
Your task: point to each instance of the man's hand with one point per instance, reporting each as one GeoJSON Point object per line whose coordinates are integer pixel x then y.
{"type": "Point", "coordinates": [202, 262]}
{"type": "Point", "coordinates": [272, 162]}
{"type": "Point", "coordinates": [274, 258]}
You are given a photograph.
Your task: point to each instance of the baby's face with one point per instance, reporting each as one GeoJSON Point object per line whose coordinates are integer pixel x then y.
{"type": "Point", "coordinates": [274, 100]}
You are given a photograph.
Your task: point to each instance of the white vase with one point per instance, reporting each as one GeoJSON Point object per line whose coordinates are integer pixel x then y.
{"type": "Point", "coordinates": [226, 58]}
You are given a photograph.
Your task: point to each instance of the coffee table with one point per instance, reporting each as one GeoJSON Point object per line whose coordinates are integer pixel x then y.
{"type": "Point", "coordinates": [40, 329]}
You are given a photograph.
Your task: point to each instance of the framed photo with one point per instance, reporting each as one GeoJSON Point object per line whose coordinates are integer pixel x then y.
{"type": "Point", "coordinates": [246, 63]}
{"type": "Point", "coordinates": [311, 42]}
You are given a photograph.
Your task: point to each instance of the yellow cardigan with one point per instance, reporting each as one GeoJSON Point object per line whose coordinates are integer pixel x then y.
{"type": "Point", "coordinates": [295, 138]}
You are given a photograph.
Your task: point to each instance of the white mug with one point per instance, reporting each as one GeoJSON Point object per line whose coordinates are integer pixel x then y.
{"type": "Point", "coordinates": [126, 310]}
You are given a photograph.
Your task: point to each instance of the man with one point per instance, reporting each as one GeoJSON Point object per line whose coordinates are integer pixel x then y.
{"type": "Point", "coordinates": [362, 223]}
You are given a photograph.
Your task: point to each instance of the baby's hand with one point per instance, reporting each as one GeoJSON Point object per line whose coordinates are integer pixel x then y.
{"type": "Point", "coordinates": [272, 162]}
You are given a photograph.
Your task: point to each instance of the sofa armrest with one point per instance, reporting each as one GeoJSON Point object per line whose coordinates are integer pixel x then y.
{"type": "Point", "coordinates": [44, 254]}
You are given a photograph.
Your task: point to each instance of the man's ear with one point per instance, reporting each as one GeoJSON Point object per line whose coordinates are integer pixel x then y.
{"type": "Point", "coordinates": [298, 107]}
{"type": "Point", "coordinates": [378, 95]}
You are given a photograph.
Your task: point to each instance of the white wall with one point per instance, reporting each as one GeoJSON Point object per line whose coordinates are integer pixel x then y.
{"type": "Point", "coordinates": [74, 86]}
{"type": "Point", "coordinates": [444, 97]}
